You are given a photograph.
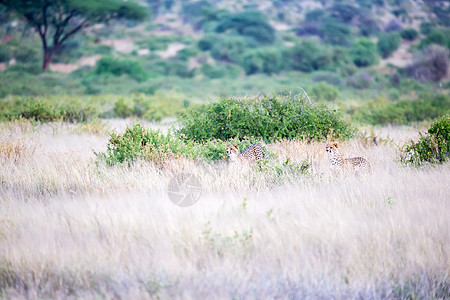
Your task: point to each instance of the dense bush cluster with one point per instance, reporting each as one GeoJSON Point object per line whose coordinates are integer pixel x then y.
{"type": "Point", "coordinates": [432, 147]}
{"type": "Point", "coordinates": [266, 118]}
{"type": "Point", "coordinates": [28, 108]}
{"type": "Point", "coordinates": [383, 112]}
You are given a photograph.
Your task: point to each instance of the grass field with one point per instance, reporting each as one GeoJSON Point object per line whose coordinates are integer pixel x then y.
{"type": "Point", "coordinates": [72, 228]}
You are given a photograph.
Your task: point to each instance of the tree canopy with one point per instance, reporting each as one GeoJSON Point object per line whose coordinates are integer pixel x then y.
{"type": "Point", "coordinates": [57, 20]}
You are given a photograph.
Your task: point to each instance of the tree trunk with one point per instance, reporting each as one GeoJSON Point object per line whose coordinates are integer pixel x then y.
{"type": "Point", "coordinates": [48, 57]}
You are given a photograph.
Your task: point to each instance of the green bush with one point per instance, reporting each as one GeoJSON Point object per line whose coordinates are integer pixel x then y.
{"type": "Point", "coordinates": [267, 118]}
{"type": "Point", "coordinates": [388, 43]}
{"type": "Point", "coordinates": [328, 77]}
{"type": "Point", "coordinates": [306, 56]}
{"type": "Point", "coordinates": [221, 70]}
{"type": "Point", "coordinates": [432, 147]}
{"type": "Point", "coordinates": [26, 54]}
{"type": "Point", "coordinates": [138, 142]}
{"type": "Point", "coordinates": [253, 24]}
{"type": "Point", "coordinates": [436, 36]}
{"type": "Point", "coordinates": [229, 49]}
{"type": "Point", "coordinates": [325, 91]}
{"type": "Point", "coordinates": [207, 42]}
{"type": "Point", "coordinates": [5, 53]}
{"type": "Point", "coordinates": [37, 110]}
{"type": "Point", "coordinates": [409, 34]}
{"type": "Point", "coordinates": [117, 67]}
{"type": "Point", "coordinates": [383, 112]}
{"type": "Point", "coordinates": [364, 53]}
{"type": "Point", "coordinates": [361, 80]}
{"type": "Point", "coordinates": [262, 60]}
{"type": "Point", "coordinates": [335, 33]}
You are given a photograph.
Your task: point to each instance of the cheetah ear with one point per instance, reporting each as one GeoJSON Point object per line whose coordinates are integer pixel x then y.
{"type": "Point", "coordinates": [235, 145]}
{"type": "Point", "coordinates": [335, 144]}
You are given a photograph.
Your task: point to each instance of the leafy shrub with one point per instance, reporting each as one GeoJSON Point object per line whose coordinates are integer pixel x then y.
{"type": "Point", "coordinates": [152, 108]}
{"type": "Point", "coordinates": [5, 53]}
{"type": "Point", "coordinates": [360, 80]}
{"type": "Point", "coordinates": [325, 91]}
{"type": "Point", "coordinates": [253, 24]}
{"type": "Point", "coordinates": [388, 43]}
{"type": "Point", "coordinates": [335, 33]}
{"type": "Point", "coordinates": [221, 70]}
{"type": "Point", "coordinates": [26, 54]}
{"type": "Point", "coordinates": [186, 53]}
{"type": "Point", "coordinates": [138, 142]}
{"type": "Point", "coordinates": [409, 34]}
{"type": "Point", "coordinates": [41, 111]}
{"type": "Point", "coordinates": [436, 36]}
{"type": "Point", "coordinates": [367, 25]}
{"type": "Point", "coordinates": [306, 56]}
{"type": "Point", "coordinates": [117, 67]}
{"type": "Point", "coordinates": [328, 77]}
{"type": "Point", "coordinates": [229, 49]}
{"type": "Point", "coordinates": [207, 42]}
{"type": "Point", "coordinates": [364, 53]}
{"type": "Point", "coordinates": [383, 112]}
{"type": "Point", "coordinates": [426, 27]}
{"type": "Point", "coordinates": [432, 147]}
{"type": "Point", "coordinates": [267, 118]}
{"type": "Point", "coordinates": [431, 64]}
{"type": "Point", "coordinates": [262, 60]}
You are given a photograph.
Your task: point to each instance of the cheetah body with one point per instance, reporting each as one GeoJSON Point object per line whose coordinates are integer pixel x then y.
{"type": "Point", "coordinates": [250, 154]}
{"type": "Point", "coordinates": [343, 166]}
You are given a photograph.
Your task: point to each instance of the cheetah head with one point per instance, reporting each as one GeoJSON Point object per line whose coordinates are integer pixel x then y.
{"type": "Point", "coordinates": [330, 148]}
{"type": "Point", "coordinates": [232, 151]}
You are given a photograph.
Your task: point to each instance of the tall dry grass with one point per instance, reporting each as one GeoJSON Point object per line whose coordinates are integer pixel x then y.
{"type": "Point", "coordinates": [70, 228]}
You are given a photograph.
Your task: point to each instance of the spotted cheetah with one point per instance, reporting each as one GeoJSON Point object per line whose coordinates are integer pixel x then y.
{"type": "Point", "coordinates": [251, 153]}
{"type": "Point", "coordinates": [344, 166]}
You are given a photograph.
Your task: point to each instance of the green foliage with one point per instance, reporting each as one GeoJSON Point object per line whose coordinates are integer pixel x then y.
{"type": "Point", "coordinates": [117, 67]}
{"type": "Point", "coordinates": [207, 42]}
{"type": "Point", "coordinates": [5, 53]}
{"type": "Point", "coordinates": [229, 49]}
{"type": "Point", "coordinates": [267, 118]}
{"type": "Point", "coordinates": [432, 147]}
{"type": "Point", "coordinates": [147, 107]}
{"type": "Point", "coordinates": [41, 111]}
{"type": "Point", "coordinates": [438, 37]}
{"type": "Point", "coordinates": [262, 60]}
{"type": "Point", "coordinates": [409, 34]}
{"type": "Point", "coordinates": [364, 53]}
{"type": "Point", "coordinates": [335, 33]}
{"type": "Point", "coordinates": [221, 70]}
{"type": "Point", "coordinates": [306, 56]}
{"type": "Point", "coordinates": [388, 43]}
{"type": "Point", "coordinates": [325, 91]}
{"type": "Point", "coordinates": [383, 112]}
{"type": "Point", "coordinates": [138, 142]}
{"type": "Point", "coordinates": [252, 24]}
{"type": "Point", "coordinates": [26, 54]}
{"type": "Point", "coordinates": [360, 80]}
{"type": "Point", "coordinates": [328, 77]}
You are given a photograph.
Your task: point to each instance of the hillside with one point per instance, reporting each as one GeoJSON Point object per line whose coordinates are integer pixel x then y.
{"type": "Point", "coordinates": [349, 49]}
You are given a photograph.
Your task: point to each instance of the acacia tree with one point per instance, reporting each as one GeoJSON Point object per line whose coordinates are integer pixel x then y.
{"type": "Point", "coordinates": [57, 20]}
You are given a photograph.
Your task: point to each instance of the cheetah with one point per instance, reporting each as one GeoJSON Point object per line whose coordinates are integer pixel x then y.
{"type": "Point", "coordinates": [343, 166]}
{"type": "Point", "coordinates": [250, 154]}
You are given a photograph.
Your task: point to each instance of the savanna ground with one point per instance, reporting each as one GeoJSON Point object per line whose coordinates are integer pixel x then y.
{"type": "Point", "coordinates": [71, 228]}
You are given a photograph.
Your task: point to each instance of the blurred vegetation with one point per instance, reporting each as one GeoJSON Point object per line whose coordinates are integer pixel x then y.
{"type": "Point", "coordinates": [432, 147]}
{"type": "Point", "coordinates": [335, 52]}
{"type": "Point", "coordinates": [268, 118]}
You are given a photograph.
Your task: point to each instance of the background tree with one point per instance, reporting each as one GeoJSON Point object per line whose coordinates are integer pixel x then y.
{"type": "Point", "coordinates": [57, 20]}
